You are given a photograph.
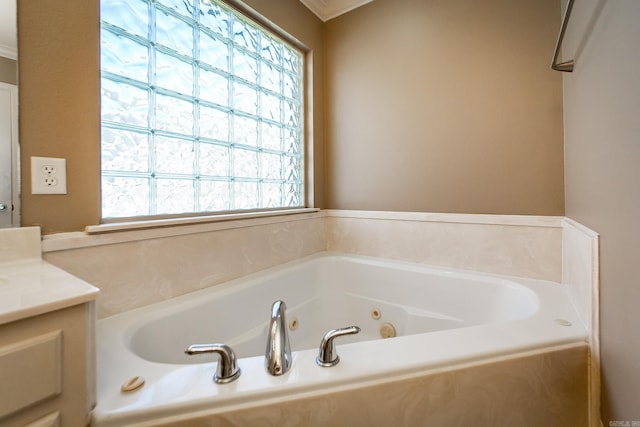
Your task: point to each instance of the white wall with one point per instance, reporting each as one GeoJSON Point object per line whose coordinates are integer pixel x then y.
{"type": "Point", "coordinates": [602, 179]}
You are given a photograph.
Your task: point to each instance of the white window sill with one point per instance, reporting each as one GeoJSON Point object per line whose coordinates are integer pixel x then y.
{"type": "Point", "coordinates": [169, 222]}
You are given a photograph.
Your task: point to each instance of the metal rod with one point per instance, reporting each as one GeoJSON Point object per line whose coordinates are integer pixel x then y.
{"type": "Point", "coordinates": [566, 66]}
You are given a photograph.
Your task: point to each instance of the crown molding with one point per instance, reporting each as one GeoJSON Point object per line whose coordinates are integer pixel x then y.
{"type": "Point", "coordinates": [329, 9]}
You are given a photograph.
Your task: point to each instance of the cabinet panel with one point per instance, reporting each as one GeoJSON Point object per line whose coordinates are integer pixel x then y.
{"type": "Point", "coordinates": [31, 371]}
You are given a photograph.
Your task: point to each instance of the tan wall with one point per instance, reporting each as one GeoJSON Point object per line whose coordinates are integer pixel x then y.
{"type": "Point", "coordinates": [445, 106]}
{"type": "Point", "coordinates": [602, 175]}
{"type": "Point", "coordinates": [8, 71]}
{"type": "Point", "coordinates": [59, 106]}
{"type": "Point", "coordinates": [59, 101]}
{"type": "Point", "coordinates": [446, 139]}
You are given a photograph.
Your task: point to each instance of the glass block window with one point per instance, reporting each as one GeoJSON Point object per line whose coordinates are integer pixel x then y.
{"type": "Point", "coordinates": [201, 111]}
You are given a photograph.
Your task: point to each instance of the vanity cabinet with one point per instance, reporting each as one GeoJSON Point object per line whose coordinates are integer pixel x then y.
{"type": "Point", "coordinates": [47, 337]}
{"type": "Point", "coordinates": [46, 368]}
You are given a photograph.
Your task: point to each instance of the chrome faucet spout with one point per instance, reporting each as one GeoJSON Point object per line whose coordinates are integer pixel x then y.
{"type": "Point", "coordinates": [277, 357]}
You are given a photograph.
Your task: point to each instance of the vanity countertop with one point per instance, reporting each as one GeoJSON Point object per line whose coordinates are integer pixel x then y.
{"type": "Point", "coordinates": [35, 287]}
{"type": "Point", "coordinates": [30, 286]}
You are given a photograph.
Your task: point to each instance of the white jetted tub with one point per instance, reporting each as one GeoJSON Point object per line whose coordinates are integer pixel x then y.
{"type": "Point", "coordinates": [440, 317]}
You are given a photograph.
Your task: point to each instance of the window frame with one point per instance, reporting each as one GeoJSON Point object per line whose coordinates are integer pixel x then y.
{"type": "Point", "coordinates": [305, 144]}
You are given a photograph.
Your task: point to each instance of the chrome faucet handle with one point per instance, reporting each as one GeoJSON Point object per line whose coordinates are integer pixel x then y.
{"type": "Point", "coordinates": [228, 369]}
{"type": "Point", "coordinates": [327, 356]}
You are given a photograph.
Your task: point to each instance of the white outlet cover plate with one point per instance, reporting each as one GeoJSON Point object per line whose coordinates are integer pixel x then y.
{"type": "Point", "coordinates": [40, 179]}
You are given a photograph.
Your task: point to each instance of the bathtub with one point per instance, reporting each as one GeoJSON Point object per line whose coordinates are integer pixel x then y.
{"type": "Point", "coordinates": [437, 317]}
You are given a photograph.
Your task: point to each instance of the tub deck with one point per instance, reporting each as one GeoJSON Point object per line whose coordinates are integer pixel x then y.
{"type": "Point", "coordinates": [498, 317]}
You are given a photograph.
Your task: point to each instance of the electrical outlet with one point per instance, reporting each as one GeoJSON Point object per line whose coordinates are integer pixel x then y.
{"type": "Point", "coordinates": [48, 175]}
{"type": "Point", "coordinates": [48, 170]}
{"type": "Point", "coordinates": [50, 181]}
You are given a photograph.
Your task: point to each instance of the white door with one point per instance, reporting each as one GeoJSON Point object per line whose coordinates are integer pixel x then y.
{"type": "Point", "coordinates": [9, 209]}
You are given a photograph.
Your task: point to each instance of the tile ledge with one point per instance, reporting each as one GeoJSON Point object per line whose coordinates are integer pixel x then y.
{"type": "Point", "coordinates": [463, 218]}
{"type": "Point", "coordinates": [106, 234]}
{"type": "Point", "coordinates": [568, 222]}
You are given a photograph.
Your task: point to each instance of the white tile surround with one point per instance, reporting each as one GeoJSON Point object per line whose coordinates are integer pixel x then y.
{"type": "Point", "coordinates": [524, 246]}
{"type": "Point", "coordinates": [20, 244]}
{"type": "Point", "coordinates": [139, 267]}
{"type": "Point", "coordinates": [581, 276]}
{"type": "Point", "coordinates": [134, 268]}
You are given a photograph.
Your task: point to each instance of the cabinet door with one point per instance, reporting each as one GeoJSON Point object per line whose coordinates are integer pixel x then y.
{"type": "Point", "coordinates": [31, 371]}
{"type": "Point", "coordinates": [8, 153]}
